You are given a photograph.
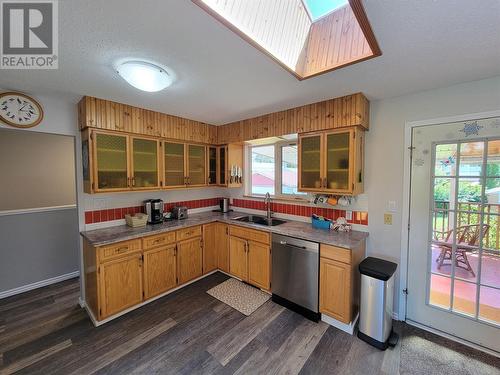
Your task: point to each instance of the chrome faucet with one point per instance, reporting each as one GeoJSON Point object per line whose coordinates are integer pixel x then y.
{"type": "Point", "coordinates": [267, 201]}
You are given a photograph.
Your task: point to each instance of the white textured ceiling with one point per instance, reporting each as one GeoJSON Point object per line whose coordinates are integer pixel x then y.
{"type": "Point", "coordinates": [220, 78]}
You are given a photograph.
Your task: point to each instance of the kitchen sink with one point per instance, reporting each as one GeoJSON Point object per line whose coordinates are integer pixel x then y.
{"type": "Point", "coordinates": [260, 220]}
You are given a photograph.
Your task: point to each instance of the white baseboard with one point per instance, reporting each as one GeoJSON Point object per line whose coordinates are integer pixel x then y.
{"type": "Point", "coordinates": [38, 284]}
{"type": "Point", "coordinates": [348, 328]}
{"type": "Point", "coordinates": [453, 338]}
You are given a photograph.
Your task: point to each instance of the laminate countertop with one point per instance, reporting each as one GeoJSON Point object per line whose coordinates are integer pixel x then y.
{"type": "Point", "coordinates": [297, 229]}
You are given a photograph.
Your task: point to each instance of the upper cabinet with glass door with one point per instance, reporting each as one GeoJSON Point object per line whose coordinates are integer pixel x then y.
{"type": "Point", "coordinates": [174, 164]}
{"type": "Point", "coordinates": [145, 163]}
{"type": "Point", "coordinates": [332, 161]}
{"type": "Point", "coordinates": [212, 165]}
{"type": "Point", "coordinates": [196, 175]}
{"type": "Point", "coordinates": [111, 162]}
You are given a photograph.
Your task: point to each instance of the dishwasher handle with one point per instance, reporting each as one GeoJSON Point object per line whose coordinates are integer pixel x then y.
{"type": "Point", "coordinates": [284, 243]}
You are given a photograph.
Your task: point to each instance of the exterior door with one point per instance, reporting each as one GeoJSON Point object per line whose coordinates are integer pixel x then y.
{"type": "Point", "coordinates": [196, 165]}
{"type": "Point", "coordinates": [174, 164]}
{"type": "Point", "coordinates": [310, 163]}
{"type": "Point", "coordinates": [238, 265]}
{"type": "Point", "coordinates": [111, 162]}
{"type": "Point", "coordinates": [159, 270]}
{"type": "Point", "coordinates": [120, 284]}
{"type": "Point", "coordinates": [145, 163]}
{"type": "Point", "coordinates": [454, 255]}
{"type": "Point", "coordinates": [259, 261]}
{"type": "Point", "coordinates": [189, 260]}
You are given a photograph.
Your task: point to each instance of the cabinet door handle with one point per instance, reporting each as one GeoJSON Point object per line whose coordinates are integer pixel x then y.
{"type": "Point", "coordinates": [133, 181]}
{"type": "Point", "coordinates": [122, 249]}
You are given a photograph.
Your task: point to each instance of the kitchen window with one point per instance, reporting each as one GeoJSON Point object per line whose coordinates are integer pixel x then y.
{"type": "Point", "coordinates": [273, 169]}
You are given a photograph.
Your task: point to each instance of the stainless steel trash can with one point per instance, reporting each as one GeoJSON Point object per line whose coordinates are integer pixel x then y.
{"type": "Point", "coordinates": [376, 303]}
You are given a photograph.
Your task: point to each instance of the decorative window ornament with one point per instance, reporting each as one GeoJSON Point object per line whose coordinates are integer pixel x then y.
{"type": "Point", "coordinates": [471, 128]}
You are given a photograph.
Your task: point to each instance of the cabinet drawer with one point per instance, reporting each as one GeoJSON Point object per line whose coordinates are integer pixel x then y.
{"type": "Point", "coordinates": [158, 240]}
{"type": "Point", "coordinates": [249, 234]}
{"type": "Point", "coordinates": [119, 249]}
{"type": "Point", "coordinates": [336, 253]}
{"type": "Point", "coordinates": [184, 234]}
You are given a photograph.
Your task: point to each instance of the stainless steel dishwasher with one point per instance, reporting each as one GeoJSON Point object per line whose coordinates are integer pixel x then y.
{"type": "Point", "coordinates": [295, 275]}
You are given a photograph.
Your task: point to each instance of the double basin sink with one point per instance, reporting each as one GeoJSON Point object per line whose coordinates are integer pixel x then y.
{"type": "Point", "coordinates": [260, 220]}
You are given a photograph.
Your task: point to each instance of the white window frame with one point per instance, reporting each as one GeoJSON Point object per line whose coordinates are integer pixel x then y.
{"type": "Point", "coordinates": [278, 194]}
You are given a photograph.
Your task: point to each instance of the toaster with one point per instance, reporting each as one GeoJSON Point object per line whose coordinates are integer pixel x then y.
{"type": "Point", "coordinates": [179, 212]}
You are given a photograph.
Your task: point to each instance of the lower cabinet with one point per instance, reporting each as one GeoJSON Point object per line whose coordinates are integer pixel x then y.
{"type": "Point", "coordinates": [259, 261]}
{"type": "Point", "coordinates": [189, 259]}
{"type": "Point", "coordinates": [339, 281]}
{"type": "Point", "coordinates": [210, 244]}
{"type": "Point", "coordinates": [120, 284]}
{"type": "Point", "coordinates": [238, 260]}
{"type": "Point", "coordinates": [335, 289]}
{"type": "Point", "coordinates": [250, 260]}
{"type": "Point", "coordinates": [222, 243]}
{"type": "Point", "coordinates": [160, 270]}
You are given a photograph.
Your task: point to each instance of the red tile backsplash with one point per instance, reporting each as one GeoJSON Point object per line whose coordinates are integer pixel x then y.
{"type": "Point", "coordinates": [358, 217]}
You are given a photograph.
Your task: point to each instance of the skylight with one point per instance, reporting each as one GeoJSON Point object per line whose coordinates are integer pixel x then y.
{"type": "Point", "coordinates": [306, 37]}
{"type": "Point", "coordinates": [320, 8]}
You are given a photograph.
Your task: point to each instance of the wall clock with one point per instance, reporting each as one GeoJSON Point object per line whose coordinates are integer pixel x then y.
{"type": "Point", "coordinates": [19, 110]}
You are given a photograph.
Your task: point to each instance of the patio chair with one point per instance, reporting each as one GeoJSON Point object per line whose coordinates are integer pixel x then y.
{"type": "Point", "coordinates": [467, 239]}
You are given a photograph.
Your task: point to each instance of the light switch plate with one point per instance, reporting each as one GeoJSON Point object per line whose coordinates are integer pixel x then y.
{"type": "Point", "coordinates": [388, 219]}
{"type": "Point", "coordinates": [392, 206]}
{"type": "Point", "coordinates": [348, 215]}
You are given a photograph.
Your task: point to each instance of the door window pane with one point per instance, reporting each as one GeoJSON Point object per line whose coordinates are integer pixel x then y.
{"type": "Point", "coordinates": [446, 160]}
{"type": "Point", "coordinates": [469, 194]}
{"type": "Point", "coordinates": [464, 297]}
{"type": "Point", "coordinates": [444, 190]}
{"type": "Point", "coordinates": [471, 158]}
{"type": "Point", "coordinates": [289, 170]}
{"type": "Point", "coordinates": [263, 162]}
{"type": "Point", "coordinates": [489, 304]}
{"type": "Point", "coordinates": [440, 290]}
{"type": "Point", "coordinates": [493, 164]}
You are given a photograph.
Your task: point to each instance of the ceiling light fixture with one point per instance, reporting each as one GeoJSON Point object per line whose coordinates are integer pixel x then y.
{"type": "Point", "coordinates": [145, 76]}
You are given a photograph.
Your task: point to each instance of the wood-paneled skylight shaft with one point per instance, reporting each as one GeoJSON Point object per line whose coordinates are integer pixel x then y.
{"type": "Point", "coordinates": [304, 39]}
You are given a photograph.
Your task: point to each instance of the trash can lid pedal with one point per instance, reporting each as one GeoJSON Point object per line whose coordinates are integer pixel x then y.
{"type": "Point", "coordinates": [377, 268]}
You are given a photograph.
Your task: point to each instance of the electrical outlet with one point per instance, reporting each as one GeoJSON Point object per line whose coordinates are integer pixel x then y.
{"type": "Point", "coordinates": [348, 215]}
{"type": "Point", "coordinates": [388, 219]}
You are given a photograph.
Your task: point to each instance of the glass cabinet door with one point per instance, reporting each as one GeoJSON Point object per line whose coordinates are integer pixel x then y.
{"type": "Point", "coordinates": [144, 163]}
{"type": "Point", "coordinates": [212, 165]}
{"type": "Point", "coordinates": [310, 163]}
{"type": "Point", "coordinates": [338, 160]}
{"type": "Point", "coordinates": [222, 165]}
{"type": "Point", "coordinates": [196, 165]}
{"type": "Point", "coordinates": [111, 161]}
{"type": "Point", "coordinates": [174, 164]}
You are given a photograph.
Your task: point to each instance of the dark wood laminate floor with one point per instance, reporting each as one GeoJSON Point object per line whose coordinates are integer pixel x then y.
{"type": "Point", "coordinates": [189, 332]}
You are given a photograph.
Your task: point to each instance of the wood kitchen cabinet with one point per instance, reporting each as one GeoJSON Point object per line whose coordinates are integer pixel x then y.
{"type": "Point", "coordinates": [339, 282]}
{"type": "Point", "coordinates": [196, 165]}
{"type": "Point", "coordinates": [210, 245]}
{"type": "Point", "coordinates": [250, 256]}
{"type": "Point", "coordinates": [120, 284]}
{"type": "Point", "coordinates": [222, 244]}
{"type": "Point", "coordinates": [189, 259]}
{"type": "Point", "coordinates": [117, 162]}
{"type": "Point", "coordinates": [332, 161]}
{"type": "Point", "coordinates": [160, 270]}
{"type": "Point", "coordinates": [184, 165]}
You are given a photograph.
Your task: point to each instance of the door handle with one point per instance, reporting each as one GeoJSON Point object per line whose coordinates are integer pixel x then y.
{"type": "Point", "coordinates": [284, 243]}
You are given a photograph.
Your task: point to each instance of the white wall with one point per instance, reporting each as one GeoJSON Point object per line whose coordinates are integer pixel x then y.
{"type": "Point", "coordinates": [385, 152]}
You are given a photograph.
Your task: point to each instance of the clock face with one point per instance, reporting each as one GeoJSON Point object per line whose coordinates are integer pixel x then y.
{"type": "Point", "coordinates": [19, 110]}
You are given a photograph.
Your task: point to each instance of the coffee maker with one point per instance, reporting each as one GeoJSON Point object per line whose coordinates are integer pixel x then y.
{"type": "Point", "coordinates": [154, 209]}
